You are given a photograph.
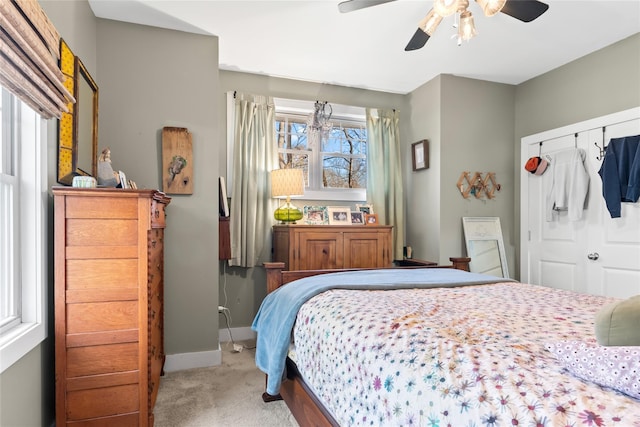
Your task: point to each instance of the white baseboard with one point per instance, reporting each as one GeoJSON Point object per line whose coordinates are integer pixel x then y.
{"type": "Point", "coordinates": [201, 359]}
{"type": "Point", "coordinates": [204, 359]}
{"type": "Point", "coordinates": [239, 334]}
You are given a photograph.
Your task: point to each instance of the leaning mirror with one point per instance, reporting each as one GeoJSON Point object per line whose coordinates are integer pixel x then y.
{"type": "Point", "coordinates": [485, 247]}
{"type": "Point", "coordinates": [78, 129]}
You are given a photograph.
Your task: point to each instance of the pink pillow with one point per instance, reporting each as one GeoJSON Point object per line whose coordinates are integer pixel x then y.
{"type": "Point", "coordinates": [613, 367]}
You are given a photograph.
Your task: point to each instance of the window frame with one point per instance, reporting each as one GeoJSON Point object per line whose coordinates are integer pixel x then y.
{"type": "Point", "coordinates": [301, 108]}
{"type": "Point", "coordinates": [29, 250]}
{"type": "Point", "coordinates": [345, 114]}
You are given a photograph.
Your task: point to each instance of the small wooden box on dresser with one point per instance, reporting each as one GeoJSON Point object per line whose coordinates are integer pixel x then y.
{"type": "Point", "coordinates": [322, 247]}
{"type": "Point", "coordinates": [108, 305]}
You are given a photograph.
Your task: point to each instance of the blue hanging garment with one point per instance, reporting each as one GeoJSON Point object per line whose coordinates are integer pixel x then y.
{"type": "Point", "coordinates": [620, 173]}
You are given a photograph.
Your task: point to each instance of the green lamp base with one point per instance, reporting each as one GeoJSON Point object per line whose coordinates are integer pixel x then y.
{"type": "Point", "coordinates": [288, 214]}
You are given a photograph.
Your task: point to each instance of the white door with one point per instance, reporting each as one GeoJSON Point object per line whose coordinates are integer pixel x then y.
{"type": "Point", "coordinates": [596, 254]}
{"type": "Point", "coordinates": [613, 249]}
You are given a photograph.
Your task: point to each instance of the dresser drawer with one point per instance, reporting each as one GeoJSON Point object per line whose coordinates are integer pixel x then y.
{"type": "Point", "coordinates": [102, 316]}
{"type": "Point", "coordinates": [102, 359]}
{"type": "Point", "coordinates": [113, 400]}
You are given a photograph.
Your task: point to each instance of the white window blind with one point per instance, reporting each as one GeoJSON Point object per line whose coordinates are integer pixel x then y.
{"type": "Point", "coordinates": [29, 53]}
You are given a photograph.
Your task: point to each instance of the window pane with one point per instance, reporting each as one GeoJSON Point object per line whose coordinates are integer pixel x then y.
{"type": "Point", "coordinates": [346, 140]}
{"type": "Point", "coordinates": [289, 160]}
{"type": "Point", "coordinates": [291, 134]}
{"type": "Point", "coordinates": [344, 172]}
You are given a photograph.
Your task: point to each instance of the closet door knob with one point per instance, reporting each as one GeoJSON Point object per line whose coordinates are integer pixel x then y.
{"type": "Point", "coordinates": [594, 256]}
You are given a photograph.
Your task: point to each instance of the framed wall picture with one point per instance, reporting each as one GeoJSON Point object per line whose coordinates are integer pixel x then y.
{"type": "Point", "coordinates": [357, 218]}
{"type": "Point", "coordinates": [420, 155]}
{"type": "Point", "coordinates": [315, 215]}
{"type": "Point", "coordinates": [371, 219]}
{"type": "Point", "coordinates": [339, 215]}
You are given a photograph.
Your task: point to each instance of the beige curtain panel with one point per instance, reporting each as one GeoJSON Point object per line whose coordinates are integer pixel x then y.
{"type": "Point", "coordinates": [29, 53]}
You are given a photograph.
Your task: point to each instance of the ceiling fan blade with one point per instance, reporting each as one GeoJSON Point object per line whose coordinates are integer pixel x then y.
{"type": "Point", "coordinates": [524, 10]}
{"type": "Point", "coordinates": [419, 39]}
{"type": "Point", "coordinates": [351, 5]}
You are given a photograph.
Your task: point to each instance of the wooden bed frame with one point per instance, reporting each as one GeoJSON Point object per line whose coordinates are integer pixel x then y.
{"type": "Point", "coordinates": [305, 407]}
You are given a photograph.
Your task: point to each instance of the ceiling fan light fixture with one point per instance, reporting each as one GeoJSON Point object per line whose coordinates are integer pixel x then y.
{"type": "Point", "coordinates": [467, 29]}
{"type": "Point", "coordinates": [445, 7]}
{"type": "Point", "coordinates": [430, 22]}
{"type": "Point", "coordinates": [491, 7]}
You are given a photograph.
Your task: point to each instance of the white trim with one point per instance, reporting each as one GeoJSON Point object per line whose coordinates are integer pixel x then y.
{"type": "Point", "coordinates": [17, 342]}
{"type": "Point", "coordinates": [598, 122]}
{"type": "Point", "coordinates": [239, 334]}
{"type": "Point", "coordinates": [200, 359]}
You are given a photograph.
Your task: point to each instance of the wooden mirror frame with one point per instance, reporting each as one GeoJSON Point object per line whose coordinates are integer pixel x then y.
{"type": "Point", "coordinates": [77, 129]}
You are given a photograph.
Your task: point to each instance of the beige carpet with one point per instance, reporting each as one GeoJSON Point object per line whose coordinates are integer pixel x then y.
{"type": "Point", "coordinates": [225, 395]}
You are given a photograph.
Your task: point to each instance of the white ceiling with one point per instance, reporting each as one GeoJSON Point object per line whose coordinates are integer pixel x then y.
{"type": "Point", "coordinates": [312, 41]}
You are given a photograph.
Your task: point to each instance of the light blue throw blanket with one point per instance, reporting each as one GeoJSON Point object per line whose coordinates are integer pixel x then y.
{"type": "Point", "coordinates": [277, 314]}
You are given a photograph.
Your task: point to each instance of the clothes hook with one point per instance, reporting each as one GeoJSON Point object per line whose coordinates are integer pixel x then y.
{"type": "Point", "coordinates": [603, 147]}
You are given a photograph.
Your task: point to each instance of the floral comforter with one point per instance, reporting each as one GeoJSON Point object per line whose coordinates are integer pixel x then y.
{"type": "Point", "coordinates": [465, 357]}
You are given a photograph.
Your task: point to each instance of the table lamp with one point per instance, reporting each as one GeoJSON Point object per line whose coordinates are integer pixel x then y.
{"type": "Point", "coordinates": [286, 183]}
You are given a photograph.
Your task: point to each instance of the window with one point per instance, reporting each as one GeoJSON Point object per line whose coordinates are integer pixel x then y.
{"type": "Point", "coordinates": [23, 199]}
{"type": "Point", "coordinates": [335, 165]}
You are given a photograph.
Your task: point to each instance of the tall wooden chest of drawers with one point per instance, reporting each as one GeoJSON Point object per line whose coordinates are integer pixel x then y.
{"type": "Point", "coordinates": [108, 305]}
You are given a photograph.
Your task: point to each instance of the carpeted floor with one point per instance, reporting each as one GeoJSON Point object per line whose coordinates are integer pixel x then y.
{"type": "Point", "coordinates": [225, 395]}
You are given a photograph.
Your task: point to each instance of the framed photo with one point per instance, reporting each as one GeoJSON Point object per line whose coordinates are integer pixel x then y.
{"type": "Point", "coordinates": [357, 218]}
{"type": "Point", "coordinates": [315, 215]}
{"type": "Point", "coordinates": [420, 155]}
{"type": "Point", "coordinates": [339, 215]}
{"type": "Point", "coordinates": [365, 209]}
{"type": "Point", "coordinates": [371, 219]}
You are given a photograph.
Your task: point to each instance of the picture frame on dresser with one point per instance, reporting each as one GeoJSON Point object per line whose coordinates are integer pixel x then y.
{"type": "Point", "coordinates": [365, 208]}
{"type": "Point", "coordinates": [315, 215]}
{"type": "Point", "coordinates": [339, 215]}
{"type": "Point", "coordinates": [357, 218]}
{"type": "Point", "coordinates": [371, 219]}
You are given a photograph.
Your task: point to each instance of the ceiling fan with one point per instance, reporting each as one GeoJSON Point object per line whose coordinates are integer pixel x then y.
{"type": "Point", "coordinates": [523, 10]}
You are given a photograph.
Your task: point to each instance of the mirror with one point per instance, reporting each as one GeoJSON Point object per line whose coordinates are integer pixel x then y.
{"type": "Point", "coordinates": [485, 247]}
{"type": "Point", "coordinates": [77, 129]}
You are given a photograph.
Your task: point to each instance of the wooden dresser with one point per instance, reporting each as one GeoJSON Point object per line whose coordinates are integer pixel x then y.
{"type": "Point", "coordinates": [321, 247]}
{"type": "Point", "coordinates": [108, 305]}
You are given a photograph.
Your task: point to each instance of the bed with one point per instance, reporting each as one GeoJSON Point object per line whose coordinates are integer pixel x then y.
{"type": "Point", "coordinates": [439, 347]}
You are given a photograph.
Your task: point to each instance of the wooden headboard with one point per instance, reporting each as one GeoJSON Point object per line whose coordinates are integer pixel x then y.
{"type": "Point", "coordinates": [277, 276]}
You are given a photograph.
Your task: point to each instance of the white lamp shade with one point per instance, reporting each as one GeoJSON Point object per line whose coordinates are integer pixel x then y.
{"type": "Point", "coordinates": [287, 183]}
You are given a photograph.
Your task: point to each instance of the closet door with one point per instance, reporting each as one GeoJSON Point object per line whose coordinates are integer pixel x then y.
{"type": "Point", "coordinates": [612, 254]}
{"type": "Point", "coordinates": [597, 254]}
{"type": "Point", "coordinates": [555, 247]}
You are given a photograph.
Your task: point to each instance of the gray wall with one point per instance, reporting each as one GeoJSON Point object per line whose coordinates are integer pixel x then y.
{"type": "Point", "coordinates": [469, 125]}
{"type": "Point", "coordinates": [151, 78]}
{"type": "Point", "coordinates": [31, 380]}
{"type": "Point", "coordinates": [604, 82]}
{"type": "Point", "coordinates": [422, 188]}
{"type": "Point", "coordinates": [245, 288]}
{"type": "Point", "coordinates": [477, 135]}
